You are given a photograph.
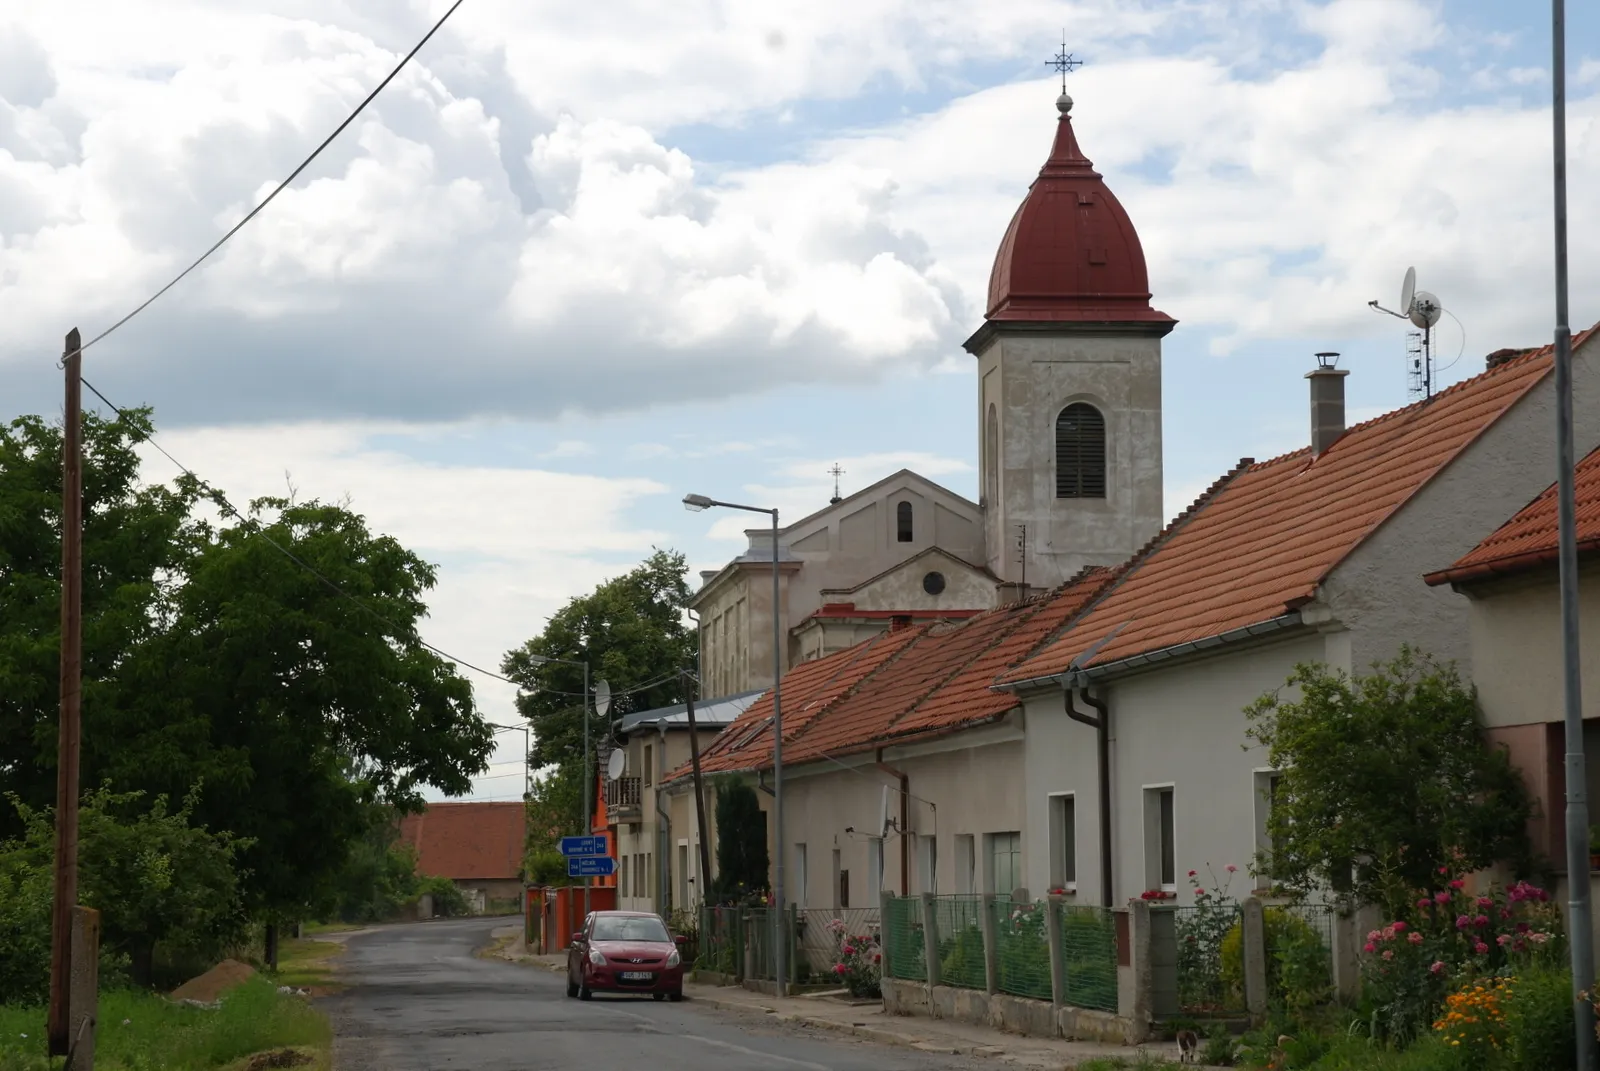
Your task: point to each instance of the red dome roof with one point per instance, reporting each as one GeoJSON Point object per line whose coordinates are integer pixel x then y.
{"type": "Point", "coordinates": [1071, 254]}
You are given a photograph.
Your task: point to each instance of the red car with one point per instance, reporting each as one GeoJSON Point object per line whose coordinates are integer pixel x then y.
{"type": "Point", "coordinates": [624, 952]}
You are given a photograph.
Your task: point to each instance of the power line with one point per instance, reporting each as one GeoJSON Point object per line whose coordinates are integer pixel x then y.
{"type": "Point", "coordinates": [281, 186]}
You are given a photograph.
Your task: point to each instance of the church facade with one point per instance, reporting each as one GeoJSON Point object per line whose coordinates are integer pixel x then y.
{"type": "Point", "coordinates": [1069, 452]}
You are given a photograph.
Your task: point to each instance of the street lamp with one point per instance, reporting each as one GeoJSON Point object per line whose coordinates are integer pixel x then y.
{"type": "Point", "coordinates": [588, 810]}
{"type": "Point", "coordinates": [698, 503]}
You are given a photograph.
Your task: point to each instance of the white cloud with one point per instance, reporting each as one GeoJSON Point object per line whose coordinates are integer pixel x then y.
{"type": "Point", "coordinates": [568, 448]}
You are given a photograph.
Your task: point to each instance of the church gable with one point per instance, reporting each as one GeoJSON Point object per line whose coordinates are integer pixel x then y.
{"type": "Point", "coordinates": [931, 580]}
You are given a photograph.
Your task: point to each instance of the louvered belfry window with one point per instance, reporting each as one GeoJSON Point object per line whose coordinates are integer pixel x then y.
{"type": "Point", "coordinates": [1080, 452]}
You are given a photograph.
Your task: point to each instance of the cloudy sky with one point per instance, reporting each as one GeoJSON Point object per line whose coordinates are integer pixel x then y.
{"type": "Point", "coordinates": [583, 258]}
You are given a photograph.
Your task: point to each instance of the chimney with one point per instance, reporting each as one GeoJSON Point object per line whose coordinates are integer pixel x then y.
{"type": "Point", "coordinates": [1327, 402]}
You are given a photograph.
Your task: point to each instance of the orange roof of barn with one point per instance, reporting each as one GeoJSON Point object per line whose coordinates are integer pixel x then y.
{"type": "Point", "coordinates": [1257, 545]}
{"type": "Point", "coordinates": [1529, 539]}
{"type": "Point", "coordinates": [915, 682]}
{"type": "Point", "coordinates": [466, 841]}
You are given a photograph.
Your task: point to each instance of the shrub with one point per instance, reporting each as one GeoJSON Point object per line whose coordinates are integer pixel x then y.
{"type": "Point", "coordinates": [1539, 1022]}
{"type": "Point", "coordinates": [1299, 967]}
{"type": "Point", "coordinates": [859, 963]}
{"type": "Point", "coordinates": [447, 899]}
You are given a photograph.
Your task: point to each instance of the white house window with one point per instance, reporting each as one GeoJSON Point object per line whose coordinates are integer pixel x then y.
{"type": "Point", "coordinates": [1005, 863]}
{"type": "Point", "coordinates": [903, 522]}
{"type": "Point", "coordinates": [1160, 850]}
{"type": "Point", "coordinates": [1267, 782]}
{"type": "Point", "coordinates": [1064, 842]}
{"type": "Point", "coordinates": [1080, 452]}
{"type": "Point", "coordinates": [927, 864]}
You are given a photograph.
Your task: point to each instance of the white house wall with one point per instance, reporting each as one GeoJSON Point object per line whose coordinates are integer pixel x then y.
{"type": "Point", "coordinates": [1184, 727]}
{"type": "Point", "coordinates": [1516, 637]}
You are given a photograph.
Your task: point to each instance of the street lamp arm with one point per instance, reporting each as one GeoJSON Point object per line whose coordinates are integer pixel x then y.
{"type": "Point", "coordinates": [700, 502]}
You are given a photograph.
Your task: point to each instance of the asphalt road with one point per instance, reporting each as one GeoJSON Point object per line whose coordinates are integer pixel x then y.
{"type": "Point", "coordinates": [419, 1000]}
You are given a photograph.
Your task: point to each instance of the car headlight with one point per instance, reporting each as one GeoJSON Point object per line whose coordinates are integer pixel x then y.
{"type": "Point", "coordinates": [596, 958]}
{"type": "Point", "coordinates": [673, 959]}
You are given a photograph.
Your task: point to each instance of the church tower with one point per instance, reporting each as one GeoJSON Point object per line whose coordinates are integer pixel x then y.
{"type": "Point", "coordinates": [1069, 380]}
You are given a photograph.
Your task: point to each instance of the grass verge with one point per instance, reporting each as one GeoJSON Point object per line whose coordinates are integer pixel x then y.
{"type": "Point", "coordinates": [309, 964]}
{"type": "Point", "coordinates": [140, 1031]}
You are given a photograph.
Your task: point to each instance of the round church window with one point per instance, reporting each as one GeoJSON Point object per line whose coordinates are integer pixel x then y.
{"type": "Point", "coordinates": [933, 583]}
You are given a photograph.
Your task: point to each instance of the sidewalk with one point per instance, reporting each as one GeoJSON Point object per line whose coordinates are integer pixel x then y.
{"type": "Point", "coordinates": [870, 1023]}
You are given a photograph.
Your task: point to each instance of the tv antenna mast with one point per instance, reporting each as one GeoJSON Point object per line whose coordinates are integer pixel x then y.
{"type": "Point", "coordinates": [1423, 310]}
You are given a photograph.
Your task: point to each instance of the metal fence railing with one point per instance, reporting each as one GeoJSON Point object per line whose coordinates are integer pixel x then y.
{"type": "Point", "coordinates": [957, 924]}
{"type": "Point", "coordinates": [903, 943]}
{"type": "Point", "coordinates": [1299, 954]}
{"type": "Point", "coordinates": [1089, 957]}
{"type": "Point", "coordinates": [817, 937]}
{"type": "Point", "coordinates": [721, 940]}
{"type": "Point", "coordinates": [1022, 949]}
{"type": "Point", "coordinates": [1210, 938]}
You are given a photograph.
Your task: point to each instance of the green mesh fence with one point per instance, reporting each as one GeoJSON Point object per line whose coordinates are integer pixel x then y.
{"type": "Point", "coordinates": [1089, 957]}
{"type": "Point", "coordinates": [956, 922]}
{"type": "Point", "coordinates": [1022, 949]}
{"type": "Point", "coordinates": [1299, 954]}
{"type": "Point", "coordinates": [1210, 958]}
{"type": "Point", "coordinates": [719, 940]}
{"type": "Point", "coordinates": [902, 939]}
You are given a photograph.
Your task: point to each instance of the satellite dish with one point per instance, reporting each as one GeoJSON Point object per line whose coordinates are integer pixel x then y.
{"type": "Point", "coordinates": [602, 698]}
{"type": "Point", "coordinates": [1408, 291]}
{"type": "Point", "coordinates": [615, 765]}
{"type": "Point", "coordinates": [1424, 309]}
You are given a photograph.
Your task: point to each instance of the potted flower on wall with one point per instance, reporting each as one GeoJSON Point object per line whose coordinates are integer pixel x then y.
{"type": "Point", "coordinates": [1158, 894]}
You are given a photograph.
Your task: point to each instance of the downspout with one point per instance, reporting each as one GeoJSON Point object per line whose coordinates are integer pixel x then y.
{"type": "Point", "coordinates": [1101, 725]}
{"type": "Point", "coordinates": [905, 822]}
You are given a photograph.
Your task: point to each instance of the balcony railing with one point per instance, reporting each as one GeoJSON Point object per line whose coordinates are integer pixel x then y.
{"type": "Point", "coordinates": [623, 793]}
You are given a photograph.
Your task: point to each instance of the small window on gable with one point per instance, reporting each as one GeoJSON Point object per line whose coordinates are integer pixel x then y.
{"type": "Point", "coordinates": [903, 522]}
{"type": "Point", "coordinates": [1080, 452]}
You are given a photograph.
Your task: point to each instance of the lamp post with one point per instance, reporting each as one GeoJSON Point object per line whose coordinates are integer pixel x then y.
{"type": "Point", "coordinates": [588, 810]}
{"type": "Point", "coordinates": [701, 502]}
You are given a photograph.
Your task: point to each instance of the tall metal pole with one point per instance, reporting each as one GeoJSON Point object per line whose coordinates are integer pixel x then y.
{"type": "Point", "coordinates": [588, 780]}
{"type": "Point", "coordinates": [699, 794]}
{"type": "Point", "coordinates": [1580, 923]}
{"type": "Point", "coordinates": [66, 862]}
{"type": "Point", "coordinates": [777, 771]}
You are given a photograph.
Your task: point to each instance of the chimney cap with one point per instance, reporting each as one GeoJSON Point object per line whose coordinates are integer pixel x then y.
{"type": "Point", "coordinates": [1327, 359]}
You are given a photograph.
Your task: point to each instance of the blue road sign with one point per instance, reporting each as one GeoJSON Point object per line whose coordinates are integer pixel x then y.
{"type": "Point", "coordinates": [571, 846]}
{"type": "Point", "coordinates": [590, 866]}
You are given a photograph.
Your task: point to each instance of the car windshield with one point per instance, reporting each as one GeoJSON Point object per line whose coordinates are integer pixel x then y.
{"type": "Point", "coordinates": [626, 928]}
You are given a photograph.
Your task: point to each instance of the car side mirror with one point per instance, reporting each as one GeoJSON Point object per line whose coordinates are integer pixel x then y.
{"type": "Point", "coordinates": [680, 940]}
{"type": "Point", "coordinates": [577, 937]}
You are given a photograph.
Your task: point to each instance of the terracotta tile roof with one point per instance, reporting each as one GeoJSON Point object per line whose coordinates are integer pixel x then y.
{"type": "Point", "coordinates": [467, 840]}
{"type": "Point", "coordinates": [1528, 540]}
{"type": "Point", "coordinates": [927, 680]}
{"type": "Point", "coordinates": [1257, 546]}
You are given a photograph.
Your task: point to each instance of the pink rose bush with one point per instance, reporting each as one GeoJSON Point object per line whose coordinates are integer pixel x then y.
{"type": "Point", "coordinates": [859, 962]}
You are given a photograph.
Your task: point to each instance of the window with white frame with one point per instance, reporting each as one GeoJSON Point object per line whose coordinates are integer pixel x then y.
{"type": "Point", "coordinates": [966, 864]}
{"type": "Point", "coordinates": [1160, 832]}
{"type": "Point", "coordinates": [927, 864]}
{"type": "Point", "coordinates": [1266, 847]}
{"type": "Point", "coordinates": [622, 876]}
{"type": "Point", "coordinates": [874, 869]}
{"type": "Point", "coordinates": [1004, 871]}
{"type": "Point", "coordinates": [1064, 842]}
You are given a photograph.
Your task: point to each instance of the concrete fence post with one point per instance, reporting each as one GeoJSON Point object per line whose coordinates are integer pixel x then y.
{"type": "Point", "coordinates": [83, 997]}
{"type": "Point", "coordinates": [1058, 954]}
{"type": "Point", "coordinates": [1346, 960]}
{"type": "Point", "coordinates": [1253, 946]}
{"type": "Point", "coordinates": [930, 939]}
{"type": "Point", "coordinates": [991, 943]}
{"type": "Point", "coordinates": [1136, 974]}
{"type": "Point", "coordinates": [1162, 953]}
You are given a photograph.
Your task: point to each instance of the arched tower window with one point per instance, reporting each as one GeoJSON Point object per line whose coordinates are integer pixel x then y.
{"type": "Point", "coordinates": [1080, 452]}
{"type": "Point", "coordinates": [903, 522]}
{"type": "Point", "coordinates": [991, 459]}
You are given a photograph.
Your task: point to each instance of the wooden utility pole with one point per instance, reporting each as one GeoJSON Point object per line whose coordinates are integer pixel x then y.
{"type": "Point", "coordinates": [66, 864]}
{"type": "Point", "coordinates": [699, 794]}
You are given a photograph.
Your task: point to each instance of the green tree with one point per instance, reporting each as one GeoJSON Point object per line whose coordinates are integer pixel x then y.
{"type": "Point", "coordinates": [1384, 779]}
{"type": "Point", "coordinates": [554, 808]}
{"type": "Point", "coordinates": [742, 859]}
{"type": "Point", "coordinates": [136, 542]}
{"type": "Point", "coordinates": [379, 875]}
{"type": "Point", "coordinates": [153, 875]}
{"type": "Point", "coordinates": [631, 631]}
{"type": "Point", "coordinates": [298, 704]}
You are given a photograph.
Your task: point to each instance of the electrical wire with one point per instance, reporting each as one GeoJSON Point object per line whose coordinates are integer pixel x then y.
{"type": "Point", "coordinates": [1463, 347]}
{"type": "Point", "coordinates": [237, 227]}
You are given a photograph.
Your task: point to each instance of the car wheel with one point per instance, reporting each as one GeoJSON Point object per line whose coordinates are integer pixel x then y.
{"type": "Point", "coordinates": [658, 996]}
{"type": "Point", "coordinates": [585, 993]}
{"type": "Point", "coordinates": [572, 990]}
{"type": "Point", "coordinates": [676, 997]}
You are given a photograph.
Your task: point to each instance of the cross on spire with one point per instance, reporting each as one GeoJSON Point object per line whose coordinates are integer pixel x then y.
{"type": "Point", "coordinates": [1063, 62]}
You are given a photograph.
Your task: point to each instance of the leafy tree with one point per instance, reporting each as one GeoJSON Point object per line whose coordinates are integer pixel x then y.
{"type": "Point", "coordinates": [379, 875]}
{"type": "Point", "coordinates": [152, 875]}
{"type": "Point", "coordinates": [742, 859]}
{"type": "Point", "coordinates": [554, 809]}
{"type": "Point", "coordinates": [136, 542]}
{"type": "Point", "coordinates": [631, 632]}
{"type": "Point", "coordinates": [299, 706]}
{"type": "Point", "coordinates": [1385, 779]}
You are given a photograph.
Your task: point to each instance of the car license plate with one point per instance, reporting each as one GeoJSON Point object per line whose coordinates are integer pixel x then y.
{"type": "Point", "coordinates": [637, 976]}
